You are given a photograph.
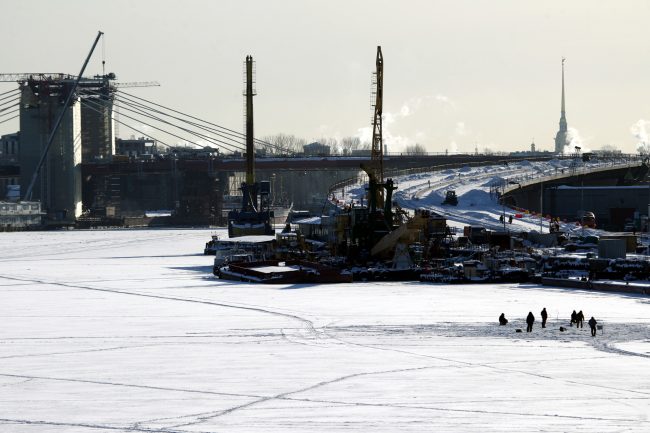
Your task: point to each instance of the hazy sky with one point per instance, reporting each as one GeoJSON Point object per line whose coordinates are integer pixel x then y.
{"type": "Point", "coordinates": [458, 74]}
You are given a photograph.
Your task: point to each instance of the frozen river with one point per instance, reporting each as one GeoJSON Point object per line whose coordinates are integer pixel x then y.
{"type": "Point", "coordinates": [128, 331]}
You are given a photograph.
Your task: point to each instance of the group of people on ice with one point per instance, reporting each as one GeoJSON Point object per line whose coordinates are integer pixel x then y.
{"type": "Point", "coordinates": [577, 318]}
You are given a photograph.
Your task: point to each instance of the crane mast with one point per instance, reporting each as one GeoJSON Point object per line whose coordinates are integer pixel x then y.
{"type": "Point", "coordinates": [377, 153]}
{"type": "Point", "coordinates": [254, 217]}
{"type": "Point", "coordinates": [250, 149]}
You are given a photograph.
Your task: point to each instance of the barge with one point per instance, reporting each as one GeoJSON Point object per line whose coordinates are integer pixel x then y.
{"type": "Point", "coordinates": [283, 272]}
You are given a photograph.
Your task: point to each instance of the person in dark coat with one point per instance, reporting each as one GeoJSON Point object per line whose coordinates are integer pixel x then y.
{"type": "Point", "coordinates": [503, 320]}
{"type": "Point", "coordinates": [544, 317]}
{"type": "Point", "coordinates": [530, 319]}
{"type": "Point", "coordinates": [592, 324]}
{"type": "Point", "coordinates": [574, 317]}
{"type": "Point", "coordinates": [580, 319]}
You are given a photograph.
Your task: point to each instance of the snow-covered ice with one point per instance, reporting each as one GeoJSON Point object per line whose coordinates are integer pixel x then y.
{"type": "Point", "coordinates": [128, 331]}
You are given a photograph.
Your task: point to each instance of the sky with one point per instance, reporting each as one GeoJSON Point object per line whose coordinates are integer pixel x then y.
{"type": "Point", "coordinates": [458, 75]}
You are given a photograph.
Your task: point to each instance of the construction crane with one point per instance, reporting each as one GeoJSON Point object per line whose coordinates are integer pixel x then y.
{"type": "Point", "coordinates": [137, 84]}
{"type": "Point", "coordinates": [28, 194]}
{"type": "Point", "coordinates": [254, 217]}
{"type": "Point", "coordinates": [9, 77]}
{"type": "Point", "coordinates": [21, 77]}
{"type": "Point", "coordinates": [379, 192]}
{"type": "Point", "coordinates": [371, 224]}
{"type": "Point", "coordinates": [377, 152]}
{"type": "Point", "coordinates": [54, 77]}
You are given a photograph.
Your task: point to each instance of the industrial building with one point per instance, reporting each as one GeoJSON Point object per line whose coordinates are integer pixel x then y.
{"type": "Point", "coordinates": [20, 216]}
{"type": "Point", "coordinates": [136, 147]}
{"type": "Point", "coordinates": [9, 151]}
{"type": "Point", "coordinates": [316, 149]}
{"type": "Point", "coordinates": [613, 206]}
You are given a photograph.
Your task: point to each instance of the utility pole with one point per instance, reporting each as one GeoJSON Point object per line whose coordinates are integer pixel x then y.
{"type": "Point", "coordinates": [541, 207]}
{"type": "Point", "coordinates": [582, 204]}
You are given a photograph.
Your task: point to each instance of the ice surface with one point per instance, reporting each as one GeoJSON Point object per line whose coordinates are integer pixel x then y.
{"type": "Point", "coordinates": [127, 331]}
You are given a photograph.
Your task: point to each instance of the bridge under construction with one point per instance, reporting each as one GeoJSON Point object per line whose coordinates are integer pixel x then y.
{"type": "Point", "coordinates": [85, 173]}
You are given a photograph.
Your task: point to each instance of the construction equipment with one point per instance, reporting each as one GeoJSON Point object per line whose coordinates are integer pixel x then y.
{"type": "Point", "coordinates": [451, 198]}
{"type": "Point", "coordinates": [28, 194]}
{"type": "Point", "coordinates": [378, 220]}
{"type": "Point", "coordinates": [254, 217]}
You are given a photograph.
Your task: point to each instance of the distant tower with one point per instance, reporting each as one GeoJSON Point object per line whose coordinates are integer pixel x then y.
{"type": "Point", "coordinates": [561, 136]}
{"type": "Point", "coordinates": [532, 146]}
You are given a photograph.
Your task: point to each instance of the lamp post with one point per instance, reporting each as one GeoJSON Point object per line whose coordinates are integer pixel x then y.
{"type": "Point", "coordinates": [503, 205]}
{"type": "Point", "coordinates": [503, 200]}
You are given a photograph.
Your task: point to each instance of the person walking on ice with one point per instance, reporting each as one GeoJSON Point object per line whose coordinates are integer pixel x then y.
{"type": "Point", "coordinates": [502, 320]}
{"type": "Point", "coordinates": [544, 317]}
{"type": "Point", "coordinates": [580, 319]}
{"type": "Point", "coordinates": [530, 319]}
{"type": "Point", "coordinates": [574, 317]}
{"type": "Point", "coordinates": [592, 324]}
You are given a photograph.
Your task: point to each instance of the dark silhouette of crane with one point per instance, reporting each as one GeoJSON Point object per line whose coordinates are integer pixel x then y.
{"type": "Point", "coordinates": [254, 217]}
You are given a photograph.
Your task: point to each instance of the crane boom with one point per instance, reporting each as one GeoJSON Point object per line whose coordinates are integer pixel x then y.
{"type": "Point", "coordinates": [137, 84]}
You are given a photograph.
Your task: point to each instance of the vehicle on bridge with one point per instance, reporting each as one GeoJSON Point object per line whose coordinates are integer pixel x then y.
{"type": "Point", "coordinates": [451, 198]}
{"type": "Point", "coordinates": [588, 219]}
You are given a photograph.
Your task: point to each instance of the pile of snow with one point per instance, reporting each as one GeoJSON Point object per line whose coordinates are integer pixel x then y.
{"type": "Point", "coordinates": [476, 197]}
{"type": "Point", "coordinates": [495, 181]}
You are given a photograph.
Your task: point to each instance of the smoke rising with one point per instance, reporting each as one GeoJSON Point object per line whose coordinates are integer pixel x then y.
{"type": "Point", "coordinates": [641, 134]}
{"type": "Point", "coordinates": [397, 142]}
{"type": "Point", "coordinates": [574, 139]}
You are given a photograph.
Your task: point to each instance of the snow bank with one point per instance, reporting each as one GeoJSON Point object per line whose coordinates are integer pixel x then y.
{"type": "Point", "coordinates": [476, 197]}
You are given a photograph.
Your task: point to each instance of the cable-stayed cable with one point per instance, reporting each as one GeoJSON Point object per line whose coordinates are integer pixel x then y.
{"type": "Point", "coordinates": [137, 109]}
{"type": "Point", "coordinates": [11, 118]}
{"type": "Point", "coordinates": [9, 107]}
{"type": "Point", "coordinates": [238, 146]}
{"type": "Point", "coordinates": [87, 101]}
{"type": "Point", "coordinates": [11, 101]}
{"type": "Point", "coordinates": [130, 127]}
{"type": "Point", "coordinates": [16, 96]}
{"type": "Point", "coordinates": [10, 112]}
{"type": "Point", "coordinates": [205, 121]}
{"type": "Point", "coordinates": [126, 101]}
{"type": "Point", "coordinates": [211, 140]}
{"type": "Point", "coordinates": [9, 91]}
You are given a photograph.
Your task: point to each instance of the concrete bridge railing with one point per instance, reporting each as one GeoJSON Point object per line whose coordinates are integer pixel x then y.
{"type": "Point", "coordinates": [521, 181]}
